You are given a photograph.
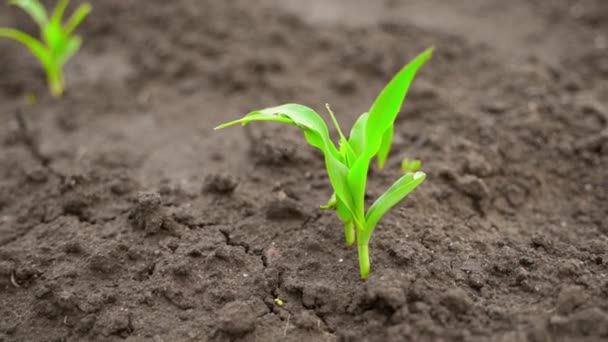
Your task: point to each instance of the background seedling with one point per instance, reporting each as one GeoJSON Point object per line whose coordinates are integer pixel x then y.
{"type": "Point", "coordinates": [347, 166]}
{"type": "Point", "coordinates": [410, 165]}
{"type": "Point", "coordinates": [57, 44]}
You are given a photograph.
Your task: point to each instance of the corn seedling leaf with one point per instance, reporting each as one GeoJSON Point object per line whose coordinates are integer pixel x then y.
{"type": "Point", "coordinates": [410, 165]}
{"type": "Point", "coordinates": [58, 12]}
{"type": "Point", "coordinates": [357, 181]}
{"type": "Point", "coordinates": [385, 146]}
{"type": "Point", "coordinates": [34, 45]}
{"type": "Point", "coordinates": [77, 17]}
{"type": "Point", "coordinates": [331, 203]}
{"type": "Point", "coordinates": [72, 47]}
{"type": "Point", "coordinates": [338, 174]}
{"type": "Point", "coordinates": [314, 127]}
{"type": "Point", "coordinates": [34, 9]}
{"type": "Point", "coordinates": [384, 111]}
{"type": "Point", "coordinates": [398, 191]}
{"type": "Point", "coordinates": [316, 134]}
{"type": "Point", "coordinates": [357, 134]}
{"type": "Point", "coordinates": [343, 212]}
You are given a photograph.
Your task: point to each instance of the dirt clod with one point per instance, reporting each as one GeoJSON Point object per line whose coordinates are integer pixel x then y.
{"type": "Point", "coordinates": [587, 322]}
{"type": "Point", "coordinates": [147, 213]}
{"type": "Point", "coordinates": [569, 299]}
{"type": "Point", "coordinates": [220, 184]}
{"type": "Point", "coordinates": [306, 320]}
{"type": "Point", "coordinates": [457, 301]}
{"type": "Point", "coordinates": [284, 208]}
{"type": "Point", "coordinates": [236, 319]}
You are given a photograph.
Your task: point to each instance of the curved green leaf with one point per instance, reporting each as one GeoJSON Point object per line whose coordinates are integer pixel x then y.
{"type": "Point", "coordinates": [257, 117]}
{"type": "Point", "coordinates": [397, 192]}
{"type": "Point", "coordinates": [386, 106]}
{"type": "Point", "coordinates": [317, 135]}
{"type": "Point", "coordinates": [338, 175]}
{"type": "Point", "coordinates": [34, 45]}
{"type": "Point", "coordinates": [316, 131]}
{"type": "Point", "coordinates": [58, 12]}
{"type": "Point", "coordinates": [380, 118]}
{"type": "Point", "coordinates": [34, 9]}
{"type": "Point", "coordinates": [77, 17]}
{"type": "Point", "coordinates": [331, 203]}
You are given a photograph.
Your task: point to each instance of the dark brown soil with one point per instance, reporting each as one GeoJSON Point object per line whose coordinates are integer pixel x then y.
{"type": "Point", "coordinates": [148, 225]}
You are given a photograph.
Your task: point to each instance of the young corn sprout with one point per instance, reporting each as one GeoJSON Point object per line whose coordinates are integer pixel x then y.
{"type": "Point", "coordinates": [57, 44]}
{"type": "Point", "coordinates": [410, 165]}
{"type": "Point", "coordinates": [347, 166]}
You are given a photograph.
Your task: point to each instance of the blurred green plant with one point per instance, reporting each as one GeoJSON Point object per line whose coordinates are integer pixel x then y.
{"type": "Point", "coordinates": [57, 44]}
{"type": "Point", "coordinates": [410, 165]}
{"type": "Point", "coordinates": [371, 136]}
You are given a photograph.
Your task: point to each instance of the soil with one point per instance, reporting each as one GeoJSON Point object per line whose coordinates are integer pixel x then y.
{"type": "Point", "coordinates": [147, 225]}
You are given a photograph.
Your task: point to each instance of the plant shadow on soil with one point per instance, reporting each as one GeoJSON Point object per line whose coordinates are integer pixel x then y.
{"type": "Point", "coordinates": [149, 226]}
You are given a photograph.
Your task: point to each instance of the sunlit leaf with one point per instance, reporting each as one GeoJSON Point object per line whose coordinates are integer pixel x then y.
{"type": "Point", "coordinates": [397, 192]}
{"type": "Point", "coordinates": [386, 107]}
{"type": "Point", "coordinates": [357, 134]}
{"type": "Point", "coordinates": [316, 133]}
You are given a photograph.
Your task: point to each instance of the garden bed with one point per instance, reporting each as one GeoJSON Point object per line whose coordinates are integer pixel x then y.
{"type": "Point", "coordinates": [148, 225]}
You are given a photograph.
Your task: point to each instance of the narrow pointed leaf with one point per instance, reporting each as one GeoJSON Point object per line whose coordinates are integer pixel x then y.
{"type": "Point", "coordinates": [58, 12]}
{"type": "Point", "coordinates": [388, 103]}
{"type": "Point", "coordinates": [397, 192]}
{"type": "Point", "coordinates": [357, 134]}
{"type": "Point", "coordinates": [258, 117]}
{"type": "Point", "coordinates": [34, 9]}
{"type": "Point", "coordinates": [317, 134]}
{"type": "Point", "coordinates": [76, 19]}
{"type": "Point", "coordinates": [34, 45]}
{"type": "Point", "coordinates": [338, 176]}
{"type": "Point", "coordinates": [70, 50]}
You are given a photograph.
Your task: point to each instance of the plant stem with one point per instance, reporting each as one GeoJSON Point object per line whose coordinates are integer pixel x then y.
{"type": "Point", "coordinates": [56, 82]}
{"type": "Point", "coordinates": [349, 233]}
{"type": "Point", "coordinates": [364, 260]}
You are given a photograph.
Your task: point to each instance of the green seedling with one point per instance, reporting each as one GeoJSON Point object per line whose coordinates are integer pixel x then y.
{"type": "Point", "coordinates": [410, 165]}
{"type": "Point", "coordinates": [57, 44]}
{"type": "Point", "coordinates": [347, 166]}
